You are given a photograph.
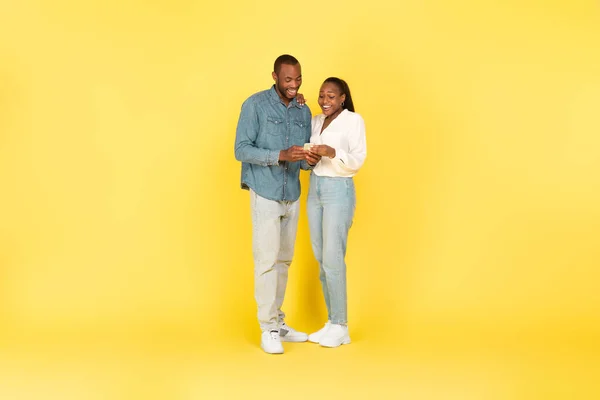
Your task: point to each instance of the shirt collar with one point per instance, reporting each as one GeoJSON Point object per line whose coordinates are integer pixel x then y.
{"type": "Point", "coordinates": [275, 98]}
{"type": "Point", "coordinates": [344, 111]}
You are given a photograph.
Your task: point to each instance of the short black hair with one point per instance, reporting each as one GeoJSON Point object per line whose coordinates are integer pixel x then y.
{"type": "Point", "coordinates": [284, 59]}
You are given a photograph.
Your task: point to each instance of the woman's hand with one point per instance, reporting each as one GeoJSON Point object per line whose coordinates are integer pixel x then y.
{"type": "Point", "coordinates": [312, 158]}
{"type": "Point", "coordinates": [323, 150]}
{"type": "Point", "coordinates": [300, 99]}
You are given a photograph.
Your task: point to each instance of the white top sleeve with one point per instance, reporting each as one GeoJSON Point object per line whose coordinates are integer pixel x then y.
{"type": "Point", "coordinates": [350, 160]}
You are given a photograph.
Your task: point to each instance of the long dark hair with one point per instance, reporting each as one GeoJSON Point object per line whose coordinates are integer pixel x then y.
{"type": "Point", "coordinates": [344, 89]}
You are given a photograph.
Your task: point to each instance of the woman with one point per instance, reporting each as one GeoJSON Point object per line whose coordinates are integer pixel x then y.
{"type": "Point", "coordinates": [338, 136]}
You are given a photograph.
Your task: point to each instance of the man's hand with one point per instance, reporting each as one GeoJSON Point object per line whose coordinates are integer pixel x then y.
{"type": "Point", "coordinates": [312, 158]}
{"type": "Point", "coordinates": [323, 150]}
{"type": "Point", "coordinates": [294, 153]}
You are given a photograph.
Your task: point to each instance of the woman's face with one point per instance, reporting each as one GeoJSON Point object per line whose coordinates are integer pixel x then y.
{"type": "Point", "coordinates": [330, 99]}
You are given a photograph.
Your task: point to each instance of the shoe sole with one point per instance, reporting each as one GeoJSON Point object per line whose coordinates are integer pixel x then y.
{"type": "Point", "coordinates": [268, 352]}
{"type": "Point", "coordinates": [293, 340]}
{"type": "Point", "coordinates": [345, 341]}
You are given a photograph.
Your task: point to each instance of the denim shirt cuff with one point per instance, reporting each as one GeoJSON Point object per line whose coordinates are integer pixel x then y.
{"type": "Point", "coordinates": [306, 166]}
{"type": "Point", "coordinates": [273, 157]}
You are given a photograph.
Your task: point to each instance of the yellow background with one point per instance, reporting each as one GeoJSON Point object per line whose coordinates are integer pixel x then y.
{"type": "Point", "coordinates": [125, 241]}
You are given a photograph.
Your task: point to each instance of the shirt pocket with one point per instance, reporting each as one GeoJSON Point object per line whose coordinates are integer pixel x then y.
{"type": "Point", "coordinates": [275, 126]}
{"type": "Point", "coordinates": [301, 130]}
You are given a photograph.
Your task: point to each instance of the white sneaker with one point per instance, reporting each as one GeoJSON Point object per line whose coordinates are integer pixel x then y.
{"type": "Point", "coordinates": [316, 336]}
{"type": "Point", "coordinates": [271, 343]}
{"type": "Point", "coordinates": [289, 334]}
{"type": "Point", "coordinates": [335, 336]}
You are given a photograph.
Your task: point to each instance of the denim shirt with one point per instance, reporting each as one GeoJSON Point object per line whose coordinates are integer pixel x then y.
{"type": "Point", "coordinates": [265, 127]}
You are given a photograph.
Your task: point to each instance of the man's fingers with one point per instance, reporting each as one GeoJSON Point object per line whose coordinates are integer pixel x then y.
{"type": "Point", "coordinates": [298, 155]}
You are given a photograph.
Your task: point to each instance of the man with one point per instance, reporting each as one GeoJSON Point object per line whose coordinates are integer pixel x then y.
{"type": "Point", "coordinates": [271, 132]}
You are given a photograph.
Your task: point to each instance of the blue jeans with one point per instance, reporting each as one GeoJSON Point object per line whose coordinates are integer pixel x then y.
{"type": "Point", "coordinates": [331, 204]}
{"type": "Point", "coordinates": [274, 226]}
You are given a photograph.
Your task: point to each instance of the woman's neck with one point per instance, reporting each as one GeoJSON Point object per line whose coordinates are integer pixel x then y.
{"type": "Point", "coordinates": [333, 116]}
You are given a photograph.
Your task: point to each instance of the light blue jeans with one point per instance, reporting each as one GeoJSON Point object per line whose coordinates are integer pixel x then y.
{"type": "Point", "coordinates": [331, 204]}
{"type": "Point", "coordinates": [274, 226]}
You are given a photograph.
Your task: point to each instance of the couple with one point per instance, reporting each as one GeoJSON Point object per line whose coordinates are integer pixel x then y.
{"type": "Point", "coordinates": [272, 130]}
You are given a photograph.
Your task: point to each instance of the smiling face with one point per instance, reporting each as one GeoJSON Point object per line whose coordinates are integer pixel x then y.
{"type": "Point", "coordinates": [331, 99]}
{"type": "Point", "coordinates": [288, 81]}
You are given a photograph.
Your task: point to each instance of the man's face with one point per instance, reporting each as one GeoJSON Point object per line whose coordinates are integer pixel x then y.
{"type": "Point", "coordinates": [288, 81]}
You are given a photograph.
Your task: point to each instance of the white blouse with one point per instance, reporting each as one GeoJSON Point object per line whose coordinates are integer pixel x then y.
{"type": "Point", "coordinates": [346, 134]}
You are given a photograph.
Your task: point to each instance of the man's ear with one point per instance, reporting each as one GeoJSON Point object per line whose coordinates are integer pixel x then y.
{"type": "Point", "coordinates": [274, 76]}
